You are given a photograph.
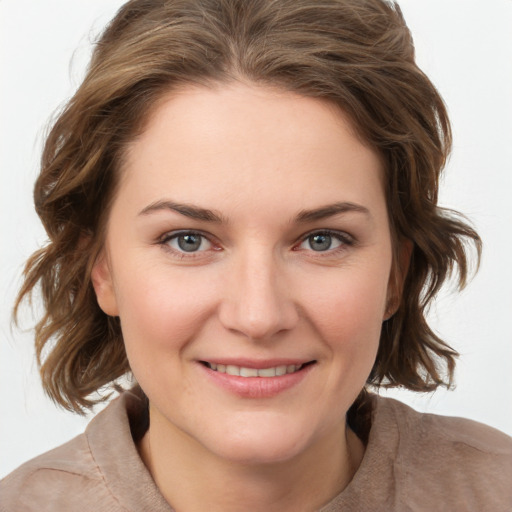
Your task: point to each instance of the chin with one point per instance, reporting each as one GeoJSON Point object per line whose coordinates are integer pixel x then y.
{"type": "Point", "coordinates": [261, 444]}
{"type": "Point", "coordinates": [255, 454]}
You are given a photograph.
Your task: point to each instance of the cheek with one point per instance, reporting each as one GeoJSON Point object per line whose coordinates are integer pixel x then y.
{"type": "Point", "coordinates": [161, 309]}
{"type": "Point", "coordinates": [348, 317]}
{"type": "Point", "coordinates": [351, 306]}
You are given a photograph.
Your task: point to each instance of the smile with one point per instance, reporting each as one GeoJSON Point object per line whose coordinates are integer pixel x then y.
{"type": "Point", "coordinates": [256, 380]}
{"type": "Point", "coordinates": [242, 371]}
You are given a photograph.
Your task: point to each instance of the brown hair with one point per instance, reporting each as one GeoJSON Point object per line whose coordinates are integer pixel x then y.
{"type": "Point", "coordinates": [357, 54]}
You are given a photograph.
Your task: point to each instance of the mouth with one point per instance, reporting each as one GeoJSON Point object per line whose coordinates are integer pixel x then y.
{"type": "Point", "coordinates": [243, 371]}
{"type": "Point", "coordinates": [251, 379]}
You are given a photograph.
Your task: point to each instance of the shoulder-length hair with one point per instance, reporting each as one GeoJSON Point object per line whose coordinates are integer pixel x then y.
{"type": "Point", "coordinates": [357, 54]}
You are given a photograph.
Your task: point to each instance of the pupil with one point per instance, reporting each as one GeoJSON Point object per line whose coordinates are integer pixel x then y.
{"type": "Point", "coordinates": [189, 243]}
{"type": "Point", "coordinates": [320, 242]}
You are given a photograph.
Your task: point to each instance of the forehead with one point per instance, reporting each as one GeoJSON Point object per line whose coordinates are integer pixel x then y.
{"type": "Point", "coordinates": [206, 142]}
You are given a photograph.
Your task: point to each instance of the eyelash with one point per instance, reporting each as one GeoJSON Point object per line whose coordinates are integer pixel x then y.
{"type": "Point", "coordinates": [174, 235]}
{"type": "Point", "coordinates": [344, 238]}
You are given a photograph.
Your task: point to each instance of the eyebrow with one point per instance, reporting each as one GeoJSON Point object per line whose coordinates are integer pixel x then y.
{"type": "Point", "coordinates": [330, 210]}
{"type": "Point", "coordinates": [204, 214]}
{"type": "Point", "coordinates": [188, 210]}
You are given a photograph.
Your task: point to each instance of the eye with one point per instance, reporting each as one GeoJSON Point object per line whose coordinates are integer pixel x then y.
{"type": "Point", "coordinates": [187, 241]}
{"type": "Point", "coordinates": [323, 241]}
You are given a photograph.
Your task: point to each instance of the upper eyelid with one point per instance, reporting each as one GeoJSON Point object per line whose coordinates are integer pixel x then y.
{"type": "Point", "coordinates": [346, 241]}
{"type": "Point", "coordinates": [343, 235]}
{"type": "Point", "coordinates": [164, 240]}
{"type": "Point", "coordinates": [177, 232]}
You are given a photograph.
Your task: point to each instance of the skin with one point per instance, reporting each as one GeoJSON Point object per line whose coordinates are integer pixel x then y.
{"type": "Point", "coordinates": [256, 158]}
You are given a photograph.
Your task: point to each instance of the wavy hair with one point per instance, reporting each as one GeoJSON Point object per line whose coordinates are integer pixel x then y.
{"type": "Point", "coordinates": [357, 54]}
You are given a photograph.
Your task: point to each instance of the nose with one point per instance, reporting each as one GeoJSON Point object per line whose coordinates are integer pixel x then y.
{"type": "Point", "coordinates": [258, 302]}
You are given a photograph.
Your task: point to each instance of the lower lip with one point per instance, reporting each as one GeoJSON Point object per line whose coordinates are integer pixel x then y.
{"type": "Point", "coordinates": [257, 387]}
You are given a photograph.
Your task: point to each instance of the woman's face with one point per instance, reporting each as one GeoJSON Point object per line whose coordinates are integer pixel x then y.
{"type": "Point", "coordinates": [248, 256]}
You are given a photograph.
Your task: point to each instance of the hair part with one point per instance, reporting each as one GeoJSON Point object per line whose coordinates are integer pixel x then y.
{"type": "Point", "coordinates": [356, 54]}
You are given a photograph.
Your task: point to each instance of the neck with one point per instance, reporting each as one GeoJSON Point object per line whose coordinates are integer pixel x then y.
{"type": "Point", "coordinates": [193, 479]}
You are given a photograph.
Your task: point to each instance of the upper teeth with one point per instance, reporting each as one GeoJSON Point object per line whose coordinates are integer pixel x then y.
{"type": "Point", "coordinates": [242, 371]}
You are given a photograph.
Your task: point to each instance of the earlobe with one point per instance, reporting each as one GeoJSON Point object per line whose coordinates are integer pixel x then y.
{"type": "Point", "coordinates": [399, 270]}
{"type": "Point", "coordinates": [102, 282]}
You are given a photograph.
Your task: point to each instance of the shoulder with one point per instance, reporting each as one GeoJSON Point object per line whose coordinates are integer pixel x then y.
{"type": "Point", "coordinates": [60, 479]}
{"type": "Point", "coordinates": [461, 461]}
{"type": "Point", "coordinates": [98, 470]}
{"type": "Point", "coordinates": [458, 435]}
{"type": "Point", "coordinates": [81, 474]}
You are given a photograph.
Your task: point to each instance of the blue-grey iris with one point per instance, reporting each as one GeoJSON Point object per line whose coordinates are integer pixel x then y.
{"type": "Point", "coordinates": [320, 242]}
{"type": "Point", "coordinates": [189, 243]}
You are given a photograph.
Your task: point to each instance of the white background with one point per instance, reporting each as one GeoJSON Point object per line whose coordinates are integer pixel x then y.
{"type": "Point", "coordinates": [465, 46]}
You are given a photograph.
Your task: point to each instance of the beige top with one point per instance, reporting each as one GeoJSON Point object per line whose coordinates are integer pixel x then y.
{"type": "Point", "coordinates": [413, 462]}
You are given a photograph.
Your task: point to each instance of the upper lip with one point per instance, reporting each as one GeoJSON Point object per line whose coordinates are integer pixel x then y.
{"type": "Point", "coordinates": [259, 364]}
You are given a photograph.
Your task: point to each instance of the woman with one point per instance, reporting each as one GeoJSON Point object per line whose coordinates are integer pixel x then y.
{"type": "Point", "coordinates": [241, 200]}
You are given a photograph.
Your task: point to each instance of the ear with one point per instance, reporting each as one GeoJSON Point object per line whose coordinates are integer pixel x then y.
{"type": "Point", "coordinates": [399, 269]}
{"type": "Point", "coordinates": [103, 285]}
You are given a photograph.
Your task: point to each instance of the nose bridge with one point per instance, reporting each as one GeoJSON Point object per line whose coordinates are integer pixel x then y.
{"type": "Point", "coordinates": [257, 301]}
